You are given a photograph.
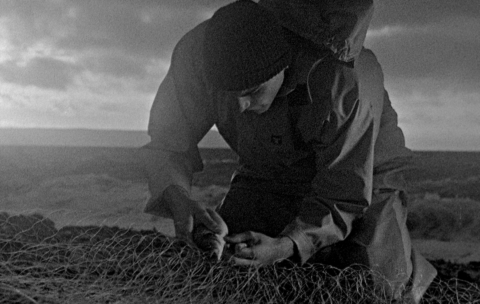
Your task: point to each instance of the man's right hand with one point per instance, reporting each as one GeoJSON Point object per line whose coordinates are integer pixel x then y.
{"type": "Point", "coordinates": [188, 213]}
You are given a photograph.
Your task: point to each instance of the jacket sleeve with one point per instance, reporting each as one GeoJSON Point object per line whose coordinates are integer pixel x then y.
{"type": "Point", "coordinates": [344, 146]}
{"type": "Point", "coordinates": [181, 115]}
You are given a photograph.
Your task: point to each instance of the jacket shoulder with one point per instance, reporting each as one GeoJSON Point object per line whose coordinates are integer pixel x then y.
{"type": "Point", "coordinates": [368, 62]}
{"type": "Point", "coordinates": [333, 85]}
{"type": "Point", "coordinates": [189, 47]}
{"type": "Point", "coordinates": [371, 80]}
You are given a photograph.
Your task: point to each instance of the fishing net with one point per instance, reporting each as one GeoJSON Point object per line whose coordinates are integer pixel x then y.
{"type": "Point", "coordinates": [42, 264]}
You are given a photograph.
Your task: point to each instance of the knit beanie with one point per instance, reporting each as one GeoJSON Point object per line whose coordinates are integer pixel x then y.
{"type": "Point", "coordinates": [244, 47]}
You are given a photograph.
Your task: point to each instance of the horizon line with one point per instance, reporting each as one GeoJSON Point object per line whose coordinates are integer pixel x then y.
{"type": "Point", "coordinates": [145, 131]}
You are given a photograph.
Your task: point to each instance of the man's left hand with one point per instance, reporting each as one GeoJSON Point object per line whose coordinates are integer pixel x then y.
{"type": "Point", "coordinates": [257, 249]}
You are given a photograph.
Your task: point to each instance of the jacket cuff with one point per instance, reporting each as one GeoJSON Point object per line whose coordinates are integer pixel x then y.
{"type": "Point", "coordinates": [164, 169]}
{"type": "Point", "coordinates": [304, 248]}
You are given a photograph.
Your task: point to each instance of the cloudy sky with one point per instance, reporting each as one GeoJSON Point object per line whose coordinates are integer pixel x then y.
{"type": "Point", "coordinates": [97, 63]}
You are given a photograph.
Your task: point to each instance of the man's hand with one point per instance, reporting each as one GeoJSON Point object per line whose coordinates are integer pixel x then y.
{"type": "Point", "coordinates": [257, 249]}
{"type": "Point", "coordinates": [190, 216]}
{"type": "Point", "coordinates": [187, 213]}
{"type": "Point", "coordinates": [208, 241]}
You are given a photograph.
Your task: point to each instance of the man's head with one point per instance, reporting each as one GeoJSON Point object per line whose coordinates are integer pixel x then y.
{"type": "Point", "coordinates": [245, 50]}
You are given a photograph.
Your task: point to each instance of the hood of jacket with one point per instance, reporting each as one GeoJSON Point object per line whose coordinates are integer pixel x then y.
{"type": "Point", "coordinates": [339, 25]}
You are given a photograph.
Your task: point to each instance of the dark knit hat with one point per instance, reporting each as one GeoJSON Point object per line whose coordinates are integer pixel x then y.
{"type": "Point", "coordinates": [244, 47]}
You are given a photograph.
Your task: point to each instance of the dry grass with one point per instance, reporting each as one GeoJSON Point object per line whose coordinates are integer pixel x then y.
{"type": "Point", "coordinates": [40, 264]}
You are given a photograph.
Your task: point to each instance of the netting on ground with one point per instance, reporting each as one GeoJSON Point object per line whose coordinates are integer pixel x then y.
{"type": "Point", "coordinates": [40, 264]}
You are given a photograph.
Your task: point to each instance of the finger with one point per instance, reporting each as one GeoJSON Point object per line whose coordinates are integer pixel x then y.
{"type": "Point", "coordinates": [220, 223]}
{"type": "Point", "coordinates": [214, 248]}
{"type": "Point", "coordinates": [208, 241]}
{"type": "Point", "coordinates": [245, 262]}
{"type": "Point", "coordinates": [244, 252]}
{"type": "Point", "coordinates": [244, 237]}
{"type": "Point", "coordinates": [218, 251]}
{"type": "Point", "coordinates": [204, 217]}
{"type": "Point", "coordinates": [240, 246]}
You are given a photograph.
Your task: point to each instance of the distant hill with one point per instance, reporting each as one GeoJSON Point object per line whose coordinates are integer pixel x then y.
{"type": "Point", "coordinates": [89, 138]}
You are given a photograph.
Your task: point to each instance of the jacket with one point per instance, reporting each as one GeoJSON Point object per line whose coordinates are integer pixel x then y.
{"type": "Point", "coordinates": [334, 136]}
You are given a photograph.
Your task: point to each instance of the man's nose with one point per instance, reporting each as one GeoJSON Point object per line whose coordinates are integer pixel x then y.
{"type": "Point", "coordinates": [244, 103]}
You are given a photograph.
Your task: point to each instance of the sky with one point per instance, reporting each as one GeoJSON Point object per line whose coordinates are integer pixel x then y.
{"type": "Point", "coordinates": [97, 64]}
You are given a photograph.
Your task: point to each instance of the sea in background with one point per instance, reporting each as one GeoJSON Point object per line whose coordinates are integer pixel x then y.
{"type": "Point", "coordinates": [96, 185]}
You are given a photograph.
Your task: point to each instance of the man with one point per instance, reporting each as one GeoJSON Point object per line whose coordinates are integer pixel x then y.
{"type": "Point", "coordinates": [293, 92]}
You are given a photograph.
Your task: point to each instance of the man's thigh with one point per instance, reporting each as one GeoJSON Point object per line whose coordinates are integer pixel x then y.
{"type": "Point", "coordinates": [245, 209]}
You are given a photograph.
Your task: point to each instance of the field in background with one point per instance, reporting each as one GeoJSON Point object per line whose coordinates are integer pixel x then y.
{"type": "Point", "coordinates": [444, 186]}
{"type": "Point", "coordinates": [447, 176]}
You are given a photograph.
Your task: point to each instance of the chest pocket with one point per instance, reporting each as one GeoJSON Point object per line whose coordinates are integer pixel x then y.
{"type": "Point", "coordinates": [282, 134]}
{"type": "Point", "coordinates": [270, 140]}
{"type": "Point", "coordinates": [274, 130]}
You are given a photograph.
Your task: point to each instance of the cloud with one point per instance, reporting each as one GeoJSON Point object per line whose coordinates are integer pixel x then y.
{"type": "Point", "coordinates": [42, 72]}
{"type": "Point", "coordinates": [120, 38]}
{"type": "Point", "coordinates": [117, 65]}
{"type": "Point", "coordinates": [436, 118]}
{"type": "Point", "coordinates": [420, 12]}
{"type": "Point", "coordinates": [98, 63]}
{"type": "Point", "coordinates": [142, 28]}
{"type": "Point", "coordinates": [437, 40]}
{"type": "Point", "coordinates": [428, 51]}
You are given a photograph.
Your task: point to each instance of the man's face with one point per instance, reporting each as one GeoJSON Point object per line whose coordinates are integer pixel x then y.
{"type": "Point", "coordinates": [259, 99]}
